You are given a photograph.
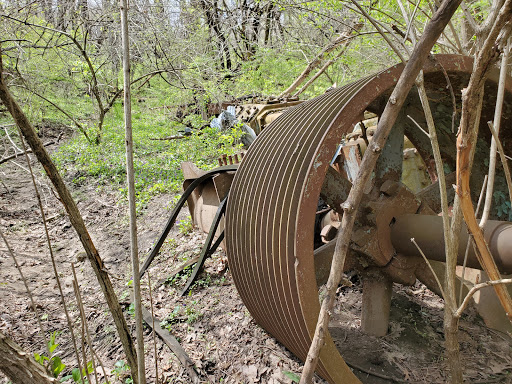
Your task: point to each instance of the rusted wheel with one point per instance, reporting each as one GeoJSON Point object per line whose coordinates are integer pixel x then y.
{"type": "Point", "coordinates": [270, 216]}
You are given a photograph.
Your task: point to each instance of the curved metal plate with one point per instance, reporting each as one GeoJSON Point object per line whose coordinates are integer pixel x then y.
{"type": "Point", "coordinates": [271, 212]}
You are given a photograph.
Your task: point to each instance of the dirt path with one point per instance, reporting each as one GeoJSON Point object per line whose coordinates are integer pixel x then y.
{"type": "Point", "coordinates": [211, 323]}
{"type": "Point", "coordinates": [208, 323]}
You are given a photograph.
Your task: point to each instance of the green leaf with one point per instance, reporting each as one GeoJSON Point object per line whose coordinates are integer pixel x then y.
{"type": "Point", "coordinates": [52, 347]}
{"type": "Point", "coordinates": [57, 366]}
{"type": "Point", "coordinates": [77, 378]}
{"type": "Point", "coordinates": [66, 378]}
{"type": "Point", "coordinates": [292, 376]}
{"type": "Point", "coordinates": [89, 367]}
{"type": "Point", "coordinates": [40, 358]}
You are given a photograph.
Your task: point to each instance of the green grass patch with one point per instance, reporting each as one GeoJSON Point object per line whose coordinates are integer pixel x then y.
{"type": "Point", "coordinates": [156, 162]}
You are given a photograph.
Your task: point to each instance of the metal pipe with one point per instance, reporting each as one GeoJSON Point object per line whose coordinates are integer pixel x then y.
{"type": "Point", "coordinates": [428, 233]}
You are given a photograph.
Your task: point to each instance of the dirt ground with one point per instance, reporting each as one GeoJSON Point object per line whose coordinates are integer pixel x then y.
{"type": "Point", "coordinates": [211, 323]}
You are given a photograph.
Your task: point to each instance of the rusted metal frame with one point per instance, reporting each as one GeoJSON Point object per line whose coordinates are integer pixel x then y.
{"type": "Point", "coordinates": [389, 164]}
{"type": "Point", "coordinates": [271, 253]}
{"type": "Point", "coordinates": [173, 344]}
{"type": "Point", "coordinates": [278, 313]}
{"type": "Point", "coordinates": [429, 196]}
{"type": "Point", "coordinates": [377, 287]}
{"type": "Point", "coordinates": [177, 209]}
{"type": "Point", "coordinates": [335, 189]}
{"type": "Point", "coordinates": [207, 250]}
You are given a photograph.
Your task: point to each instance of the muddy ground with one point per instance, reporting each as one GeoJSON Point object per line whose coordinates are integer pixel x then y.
{"type": "Point", "coordinates": [212, 323]}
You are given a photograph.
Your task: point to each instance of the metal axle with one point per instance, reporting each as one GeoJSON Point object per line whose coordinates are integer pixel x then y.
{"type": "Point", "coordinates": [428, 233]}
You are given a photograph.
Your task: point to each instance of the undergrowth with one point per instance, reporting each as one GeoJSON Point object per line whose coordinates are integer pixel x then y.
{"type": "Point", "coordinates": [156, 162]}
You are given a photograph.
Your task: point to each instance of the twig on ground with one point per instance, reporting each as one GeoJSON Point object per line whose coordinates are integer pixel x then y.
{"type": "Point", "coordinates": [18, 154]}
{"type": "Point", "coordinates": [375, 374]}
{"type": "Point", "coordinates": [83, 321]}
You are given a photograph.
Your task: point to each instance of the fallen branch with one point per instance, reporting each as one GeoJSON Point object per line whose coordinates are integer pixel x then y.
{"type": "Point", "coordinates": [178, 137]}
{"type": "Point", "coordinates": [18, 154]}
{"type": "Point", "coordinates": [50, 248]}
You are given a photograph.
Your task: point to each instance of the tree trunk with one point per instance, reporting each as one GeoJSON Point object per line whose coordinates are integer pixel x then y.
{"type": "Point", "coordinates": [19, 366]}
{"type": "Point", "coordinates": [76, 220]}
{"type": "Point", "coordinates": [134, 249]}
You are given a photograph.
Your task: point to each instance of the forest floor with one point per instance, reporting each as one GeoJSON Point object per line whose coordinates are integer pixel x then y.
{"type": "Point", "coordinates": [211, 323]}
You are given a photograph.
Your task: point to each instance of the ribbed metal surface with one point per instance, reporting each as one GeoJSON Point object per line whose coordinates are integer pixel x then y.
{"type": "Point", "coordinates": [271, 211]}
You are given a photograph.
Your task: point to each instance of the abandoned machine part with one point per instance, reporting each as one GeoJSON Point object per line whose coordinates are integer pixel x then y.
{"type": "Point", "coordinates": [260, 113]}
{"type": "Point", "coordinates": [296, 162]}
{"type": "Point", "coordinates": [201, 178]}
{"type": "Point", "coordinates": [257, 113]}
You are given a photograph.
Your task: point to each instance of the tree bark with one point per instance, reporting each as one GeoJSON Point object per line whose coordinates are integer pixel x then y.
{"type": "Point", "coordinates": [134, 249]}
{"type": "Point", "coordinates": [421, 51]}
{"type": "Point", "coordinates": [76, 219]}
{"type": "Point", "coordinates": [19, 366]}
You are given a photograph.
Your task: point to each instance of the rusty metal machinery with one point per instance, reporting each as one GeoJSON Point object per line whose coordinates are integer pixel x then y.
{"type": "Point", "coordinates": [257, 113]}
{"type": "Point", "coordinates": [273, 203]}
{"type": "Point", "coordinates": [260, 113]}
